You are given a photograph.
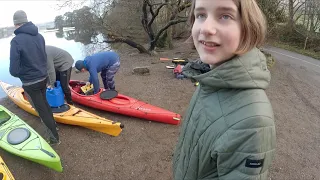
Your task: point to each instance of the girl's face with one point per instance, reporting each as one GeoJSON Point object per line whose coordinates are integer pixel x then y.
{"type": "Point", "coordinates": [216, 30]}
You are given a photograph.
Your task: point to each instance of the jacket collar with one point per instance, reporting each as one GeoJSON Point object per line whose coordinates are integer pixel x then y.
{"type": "Point", "coordinates": [248, 71]}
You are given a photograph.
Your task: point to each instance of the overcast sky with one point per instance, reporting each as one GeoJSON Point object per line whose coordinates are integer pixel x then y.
{"type": "Point", "coordinates": [37, 11]}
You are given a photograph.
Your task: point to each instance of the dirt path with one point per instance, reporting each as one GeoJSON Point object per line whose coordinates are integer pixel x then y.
{"type": "Point", "coordinates": [144, 149]}
{"type": "Point", "coordinates": [295, 96]}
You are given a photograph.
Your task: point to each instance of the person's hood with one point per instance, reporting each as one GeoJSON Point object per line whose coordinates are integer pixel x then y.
{"type": "Point", "coordinates": [27, 28]}
{"type": "Point", "coordinates": [248, 71]}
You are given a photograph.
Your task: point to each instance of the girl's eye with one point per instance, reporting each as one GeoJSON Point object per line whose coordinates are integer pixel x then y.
{"type": "Point", "coordinates": [200, 16]}
{"type": "Point", "coordinates": [225, 17]}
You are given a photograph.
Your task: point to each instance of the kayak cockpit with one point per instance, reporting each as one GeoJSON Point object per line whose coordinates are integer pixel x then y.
{"type": "Point", "coordinates": [76, 87]}
{"type": "Point", "coordinates": [60, 109]}
{"type": "Point", "coordinates": [4, 117]}
{"type": "Point", "coordinates": [108, 96]}
{"type": "Point", "coordinates": [18, 136]}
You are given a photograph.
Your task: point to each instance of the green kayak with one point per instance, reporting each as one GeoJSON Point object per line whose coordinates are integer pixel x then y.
{"type": "Point", "coordinates": [18, 138]}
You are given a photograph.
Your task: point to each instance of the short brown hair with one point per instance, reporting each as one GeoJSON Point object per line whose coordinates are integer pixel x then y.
{"type": "Point", "coordinates": [253, 24]}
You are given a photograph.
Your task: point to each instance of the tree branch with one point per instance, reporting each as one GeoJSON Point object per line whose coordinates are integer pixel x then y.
{"type": "Point", "coordinates": [144, 19]}
{"type": "Point", "coordinates": [182, 17]}
{"type": "Point", "coordinates": [65, 4]}
{"type": "Point", "coordinates": [297, 18]}
{"type": "Point", "coordinates": [154, 15]}
{"type": "Point", "coordinates": [295, 11]}
{"type": "Point", "coordinates": [117, 39]}
{"type": "Point", "coordinates": [170, 23]}
{"type": "Point", "coordinates": [179, 9]}
{"type": "Point", "coordinates": [150, 7]}
{"type": "Point", "coordinates": [183, 7]}
{"type": "Point", "coordinates": [299, 2]}
{"type": "Point", "coordinates": [69, 3]}
{"type": "Point", "coordinates": [156, 4]}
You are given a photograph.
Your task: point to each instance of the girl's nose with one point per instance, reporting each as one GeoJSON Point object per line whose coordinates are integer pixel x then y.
{"type": "Point", "coordinates": [208, 27]}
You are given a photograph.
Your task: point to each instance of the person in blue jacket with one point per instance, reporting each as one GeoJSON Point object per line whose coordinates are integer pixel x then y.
{"type": "Point", "coordinates": [28, 62]}
{"type": "Point", "coordinates": [108, 63]}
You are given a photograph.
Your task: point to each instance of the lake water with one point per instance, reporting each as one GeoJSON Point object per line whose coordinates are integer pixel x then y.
{"type": "Point", "coordinates": [76, 49]}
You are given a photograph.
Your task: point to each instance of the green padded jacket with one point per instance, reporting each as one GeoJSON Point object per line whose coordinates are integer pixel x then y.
{"type": "Point", "coordinates": [228, 132]}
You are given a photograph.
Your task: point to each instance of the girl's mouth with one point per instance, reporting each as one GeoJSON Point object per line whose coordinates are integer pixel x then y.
{"type": "Point", "coordinates": [210, 46]}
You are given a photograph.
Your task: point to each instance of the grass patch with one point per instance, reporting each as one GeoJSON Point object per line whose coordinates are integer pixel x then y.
{"type": "Point", "coordinates": [270, 59]}
{"type": "Point", "coordinates": [288, 47]}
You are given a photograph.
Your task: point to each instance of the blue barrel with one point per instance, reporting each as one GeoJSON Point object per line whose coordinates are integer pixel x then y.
{"type": "Point", "coordinates": [55, 96]}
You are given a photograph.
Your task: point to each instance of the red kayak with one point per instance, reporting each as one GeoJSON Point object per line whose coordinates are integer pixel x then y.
{"type": "Point", "coordinates": [123, 105]}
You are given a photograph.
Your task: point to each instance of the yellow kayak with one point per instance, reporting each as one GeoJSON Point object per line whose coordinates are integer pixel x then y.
{"type": "Point", "coordinates": [71, 116]}
{"type": "Point", "coordinates": [5, 174]}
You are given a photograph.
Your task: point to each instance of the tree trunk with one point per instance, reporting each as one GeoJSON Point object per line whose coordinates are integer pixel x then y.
{"type": "Point", "coordinates": [290, 20]}
{"type": "Point", "coordinates": [305, 43]}
{"type": "Point", "coordinates": [308, 19]}
{"type": "Point", "coordinates": [169, 30]}
{"type": "Point", "coordinates": [117, 39]}
{"type": "Point", "coordinates": [152, 45]}
{"type": "Point", "coordinates": [311, 15]}
{"type": "Point", "coordinates": [308, 25]}
{"type": "Point", "coordinates": [305, 14]}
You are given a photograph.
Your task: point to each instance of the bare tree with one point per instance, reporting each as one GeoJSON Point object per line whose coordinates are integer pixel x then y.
{"type": "Point", "coordinates": [73, 4]}
{"type": "Point", "coordinates": [150, 13]}
{"type": "Point", "coordinates": [117, 32]}
{"type": "Point", "coordinates": [274, 10]}
{"type": "Point", "coordinates": [295, 8]}
{"type": "Point", "coordinates": [119, 23]}
{"type": "Point", "coordinates": [101, 9]}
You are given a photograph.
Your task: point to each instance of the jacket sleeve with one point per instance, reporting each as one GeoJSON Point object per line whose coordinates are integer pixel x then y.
{"type": "Point", "coordinates": [90, 80]}
{"type": "Point", "coordinates": [14, 59]}
{"type": "Point", "coordinates": [95, 80]}
{"type": "Point", "coordinates": [246, 150]}
{"type": "Point", "coordinates": [51, 71]}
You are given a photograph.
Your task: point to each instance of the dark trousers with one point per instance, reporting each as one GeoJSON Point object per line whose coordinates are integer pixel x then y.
{"type": "Point", "coordinates": [37, 93]}
{"type": "Point", "coordinates": [64, 78]}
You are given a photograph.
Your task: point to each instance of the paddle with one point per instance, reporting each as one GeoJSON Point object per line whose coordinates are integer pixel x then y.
{"type": "Point", "coordinates": [176, 60]}
{"type": "Point", "coordinates": [108, 94]}
{"type": "Point", "coordinates": [173, 59]}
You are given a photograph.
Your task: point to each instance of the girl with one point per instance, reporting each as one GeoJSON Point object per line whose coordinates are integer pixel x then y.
{"type": "Point", "coordinates": [228, 132]}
